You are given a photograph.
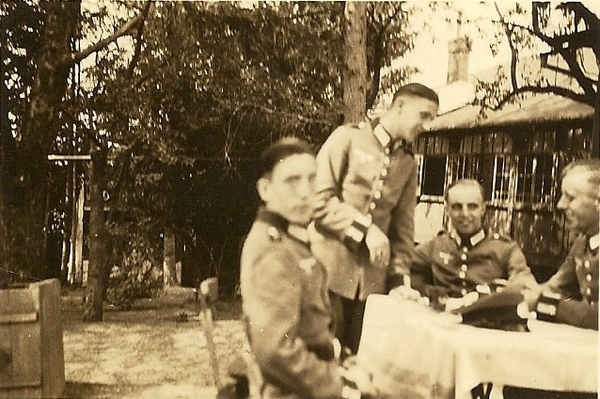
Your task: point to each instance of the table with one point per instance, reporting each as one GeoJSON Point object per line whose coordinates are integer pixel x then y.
{"type": "Point", "coordinates": [416, 352]}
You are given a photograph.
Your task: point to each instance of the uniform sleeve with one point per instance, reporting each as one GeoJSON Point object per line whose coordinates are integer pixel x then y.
{"type": "Point", "coordinates": [571, 310]}
{"type": "Point", "coordinates": [577, 313]}
{"type": "Point", "coordinates": [519, 273]}
{"type": "Point", "coordinates": [564, 281]}
{"type": "Point", "coordinates": [402, 229]}
{"type": "Point", "coordinates": [420, 271]}
{"type": "Point", "coordinates": [272, 307]}
{"type": "Point", "coordinates": [331, 214]}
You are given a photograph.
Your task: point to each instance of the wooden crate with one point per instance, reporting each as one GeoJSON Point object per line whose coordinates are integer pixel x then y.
{"type": "Point", "coordinates": [31, 341]}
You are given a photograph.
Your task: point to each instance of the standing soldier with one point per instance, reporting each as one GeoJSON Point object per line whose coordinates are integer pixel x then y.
{"type": "Point", "coordinates": [366, 195]}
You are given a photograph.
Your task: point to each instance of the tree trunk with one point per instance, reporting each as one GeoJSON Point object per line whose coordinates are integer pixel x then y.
{"type": "Point", "coordinates": [97, 276]}
{"type": "Point", "coordinates": [355, 78]}
{"type": "Point", "coordinates": [23, 221]}
{"type": "Point", "coordinates": [169, 269]}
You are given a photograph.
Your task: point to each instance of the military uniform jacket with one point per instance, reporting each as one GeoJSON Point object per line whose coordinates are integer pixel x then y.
{"type": "Point", "coordinates": [459, 267]}
{"type": "Point", "coordinates": [577, 282]}
{"type": "Point", "coordinates": [363, 177]}
{"type": "Point", "coordinates": [290, 322]}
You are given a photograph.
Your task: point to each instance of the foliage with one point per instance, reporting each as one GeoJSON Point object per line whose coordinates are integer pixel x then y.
{"type": "Point", "coordinates": [185, 95]}
{"type": "Point", "coordinates": [136, 276]}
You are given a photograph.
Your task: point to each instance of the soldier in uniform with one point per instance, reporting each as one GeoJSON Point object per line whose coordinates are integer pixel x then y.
{"type": "Point", "coordinates": [571, 295]}
{"type": "Point", "coordinates": [288, 315]}
{"type": "Point", "coordinates": [364, 214]}
{"type": "Point", "coordinates": [454, 263]}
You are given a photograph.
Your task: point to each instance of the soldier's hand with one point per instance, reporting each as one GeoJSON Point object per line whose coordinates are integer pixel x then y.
{"type": "Point", "coordinates": [379, 246]}
{"type": "Point", "coordinates": [355, 375]}
{"type": "Point", "coordinates": [405, 292]}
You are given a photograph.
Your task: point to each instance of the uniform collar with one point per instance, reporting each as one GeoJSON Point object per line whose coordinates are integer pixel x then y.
{"type": "Point", "coordinates": [382, 135]}
{"type": "Point", "coordinates": [386, 140]}
{"type": "Point", "coordinates": [282, 224]}
{"type": "Point", "coordinates": [474, 239]}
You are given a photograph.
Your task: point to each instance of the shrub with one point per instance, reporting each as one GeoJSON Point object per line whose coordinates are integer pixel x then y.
{"type": "Point", "coordinates": [136, 277]}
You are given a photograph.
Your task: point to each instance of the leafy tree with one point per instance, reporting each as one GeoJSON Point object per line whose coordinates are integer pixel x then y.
{"type": "Point", "coordinates": [178, 101]}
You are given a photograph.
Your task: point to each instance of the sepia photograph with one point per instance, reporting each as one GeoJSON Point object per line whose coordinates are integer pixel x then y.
{"type": "Point", "coordinates": [299, 199]}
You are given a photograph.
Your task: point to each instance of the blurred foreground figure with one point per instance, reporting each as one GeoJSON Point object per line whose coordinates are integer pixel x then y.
{"type": "Point", "coordinates": [288, 315]}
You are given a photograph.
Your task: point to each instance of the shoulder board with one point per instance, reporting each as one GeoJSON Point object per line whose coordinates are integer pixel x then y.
{"type": "Point", "coordinates": [498, 236]}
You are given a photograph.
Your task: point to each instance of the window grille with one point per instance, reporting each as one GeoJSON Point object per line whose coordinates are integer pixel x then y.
{"type": "Point", "coordinates": [519, 169]}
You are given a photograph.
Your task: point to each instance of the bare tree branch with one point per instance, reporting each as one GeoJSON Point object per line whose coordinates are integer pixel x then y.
{"type": "Point", "coordinates": [122, 31]}
{"type": "Point", "coordinates": [561, 91]}
{"type": "Point", "coordinates": [138, 44]}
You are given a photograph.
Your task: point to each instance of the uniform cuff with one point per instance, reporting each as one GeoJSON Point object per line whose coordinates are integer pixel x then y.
{"type": "Point", "coordinates": [547, 306]}
{"type": "Point", "coordinates": [354, 234]}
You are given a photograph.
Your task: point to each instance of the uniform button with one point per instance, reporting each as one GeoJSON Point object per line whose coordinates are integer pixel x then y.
{"type": "Point", "coordinates": [380, 183]}
{"type": "Point", "coordinates": [463, 256]}
{"type": "Point", "coordinates": [372, 206]}
{"type": "Point", "coordinates": [587, 264]}
{"type": "Point", "coordinates": [463, 267]}
{"type": "Point", "coordinates": [386, 161]}
{"type": "Point", "coordinates": [384, 172]}
{"type": "Point", "coordinates": [386, 151]}
{"type": "Point", "coordinates": [588, 291]}
{"type": "Point", "coordinates": [273, 233]}
{"type": "Point", "coordinates": [465, 249]}
{"type": "Point", "coordinates": [463, 292]}
{"type": "Point", "coordinates": [462, 274]}
{"type": "Point", "coordinates": [588, 277]}
{"type": "Point", "coordinates": [377, 194]}
{"type": "Point", "coordinates": [496, 236]}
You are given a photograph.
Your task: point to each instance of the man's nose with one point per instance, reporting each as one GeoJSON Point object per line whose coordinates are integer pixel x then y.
{"type": "Point", "coordinates": [562, 203]}
{"type": "Point", "coordinates": [305, 188]}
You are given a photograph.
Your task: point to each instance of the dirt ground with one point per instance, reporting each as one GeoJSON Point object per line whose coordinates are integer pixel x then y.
{"type": "Point", "coordinates": [156, 350]}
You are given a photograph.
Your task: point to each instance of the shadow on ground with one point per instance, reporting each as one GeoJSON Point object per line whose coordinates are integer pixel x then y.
{"type": "Point", "coordinates": [77, 390]}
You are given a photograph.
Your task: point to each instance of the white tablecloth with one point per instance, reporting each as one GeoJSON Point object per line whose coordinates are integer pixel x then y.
{"type": "Point", "coordinates": [415, 352]}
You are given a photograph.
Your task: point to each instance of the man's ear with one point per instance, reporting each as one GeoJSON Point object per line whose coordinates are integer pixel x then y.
{"type": "Point", "coordinates": [262, 186]}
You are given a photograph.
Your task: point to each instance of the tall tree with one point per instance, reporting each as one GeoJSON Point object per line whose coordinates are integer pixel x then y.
{"type": "Point", "coordinates": [31, 139]}
{"type": "Point", "coordinates": [355, 76]}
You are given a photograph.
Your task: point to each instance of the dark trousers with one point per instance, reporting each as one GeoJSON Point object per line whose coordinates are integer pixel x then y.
{"type": "Point", "coordinates": [349, 316]}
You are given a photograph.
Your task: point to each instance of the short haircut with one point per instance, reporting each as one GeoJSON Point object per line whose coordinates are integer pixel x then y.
{"type": "Point", "coordinates": [417, 90]}
{"type": "Point", "coordinates": [591, 166]}
{"type": "Point", "coordinates": [282, 149]}
{"type": "Point", "coordinates": [465, 182]}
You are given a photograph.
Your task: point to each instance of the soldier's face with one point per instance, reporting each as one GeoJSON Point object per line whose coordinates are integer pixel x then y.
{"type": "Point", "coordinates": [466, 208]}
{"type": "Point", "coordinates": [579, 202]}
{"type": "Point", "coordinates": [290, 188]}
{"type": "Point", "coordinates": [409, 116]}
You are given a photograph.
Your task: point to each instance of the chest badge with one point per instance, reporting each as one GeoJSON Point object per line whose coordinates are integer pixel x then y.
{"type": "Point", "coordinates": [445, 257]}
{"type": "Point", "coordinates": [362, 156]}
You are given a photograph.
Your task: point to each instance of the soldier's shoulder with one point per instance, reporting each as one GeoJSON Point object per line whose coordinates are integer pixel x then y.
{"type": "Point", "coordinates": [351, 127]}
{"type": "Point", "coordinates": [497, 236]}
{"type": "Point", "coordinates": [264, 234]}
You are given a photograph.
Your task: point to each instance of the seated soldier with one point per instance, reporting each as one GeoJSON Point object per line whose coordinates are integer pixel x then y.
{"type": "Point", "coordinates": [457, 263]}
{"type": "Point", "coordinates": [571, 295]}
{"type": "Point", "coordinates": [289, 319]}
